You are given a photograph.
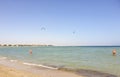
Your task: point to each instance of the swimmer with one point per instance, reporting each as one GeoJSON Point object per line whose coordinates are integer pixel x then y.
{"type": "Point", "coordinates": [30, 51]}
{"type": "Point", "coordinates": [114, 52]}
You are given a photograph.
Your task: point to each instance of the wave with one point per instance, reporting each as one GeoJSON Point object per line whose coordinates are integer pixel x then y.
{"type": "Point", "coordinates": [48, 67]}
{"type": "Point", "coordinates": [83, 72]}
{"type": "Point", "coordinates": [13, 60]}
{"type": "Point", "coordinates": [3, 58]}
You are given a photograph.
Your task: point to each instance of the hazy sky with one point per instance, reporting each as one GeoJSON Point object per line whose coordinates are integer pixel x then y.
{"type": "Point", "coordinates": [60, 22]}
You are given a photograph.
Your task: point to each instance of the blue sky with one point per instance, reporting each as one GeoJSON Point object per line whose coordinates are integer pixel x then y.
{"type": "Point", "coordinates": [66, 22]}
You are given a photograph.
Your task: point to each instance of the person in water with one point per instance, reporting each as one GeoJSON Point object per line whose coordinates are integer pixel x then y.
{"type": "Point", "coordinates": [30, 51]}
{"type": "Point", "coordinates": [114, 52]}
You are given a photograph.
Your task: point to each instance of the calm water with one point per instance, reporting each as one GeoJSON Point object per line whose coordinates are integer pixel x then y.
{"type": "Point", "coordinates": [76, 57]}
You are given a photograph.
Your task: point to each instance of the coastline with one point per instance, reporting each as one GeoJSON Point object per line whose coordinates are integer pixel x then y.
{"type": "Point", "coordinates": [12, 72]}
{"type": "Point", "coordinates": [12, 68]}
{"type": "Point", "coordinates": [49, 70]}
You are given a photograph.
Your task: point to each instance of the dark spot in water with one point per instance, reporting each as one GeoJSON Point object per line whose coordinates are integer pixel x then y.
{"type": "Point", "coordinates": [91, 73]}
{"type": "Point", "coordinates": [54, 66]}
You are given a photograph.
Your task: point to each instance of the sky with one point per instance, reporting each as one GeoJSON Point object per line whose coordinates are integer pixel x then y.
{"type": "Point", "coordinates": [60, 22]}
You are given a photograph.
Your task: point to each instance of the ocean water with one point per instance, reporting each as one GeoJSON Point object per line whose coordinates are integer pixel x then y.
{"type": "Point", "coordinates": [98, 58]}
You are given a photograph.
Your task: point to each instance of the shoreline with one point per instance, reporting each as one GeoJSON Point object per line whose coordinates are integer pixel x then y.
{"type": "Point", "coordinates": [97, 63]}
{"type": "Point", "coordinates": [6, 71]}
{"type": "Point", "coordinates": [47, 71]}
{"type": "Point", "coordinates": [17, 69]}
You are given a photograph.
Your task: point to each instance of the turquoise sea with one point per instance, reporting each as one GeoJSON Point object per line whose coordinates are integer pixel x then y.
{"type": "Point", "coordinates": [97, 58]}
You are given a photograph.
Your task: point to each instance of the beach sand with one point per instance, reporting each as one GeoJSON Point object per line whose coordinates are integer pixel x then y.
{"type": "Point", "coordinates": [12, 72]}
{"type": "Point", "coordinates": [10, 68]}
{"type": "Point", "coordinates": [6, 71]}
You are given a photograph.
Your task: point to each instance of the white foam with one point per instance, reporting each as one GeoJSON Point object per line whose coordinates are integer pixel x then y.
{"type": "Point", "coordinates": [40, 65]}
{"type": "Point", "coordinates": [47, 67]}
{"type": "Point", "coordinates": [2, 58]}
{"type": "Point", "coordinates": [30, 64]}
{"type": "Point", "coordinates": [13, 60]}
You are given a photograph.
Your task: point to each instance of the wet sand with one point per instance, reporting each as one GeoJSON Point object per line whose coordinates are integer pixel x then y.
{"type": "Point", "coordinates": [92, 73]}
{"type": "Point", "coordinates": [14, 69]}
{"type": "Point", "coordinates": [10, 68]}
{"type": "Point", "coordinates": [12, 72]}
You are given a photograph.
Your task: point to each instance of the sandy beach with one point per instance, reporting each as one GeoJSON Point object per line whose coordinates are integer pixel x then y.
{"type": "Point", "coordinates": [6, 71]}
{"type": "Point", "coordinates": [12, 72]}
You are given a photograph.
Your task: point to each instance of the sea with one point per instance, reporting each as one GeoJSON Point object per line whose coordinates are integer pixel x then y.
{"type": "Point", "coordinates": [94, 58]}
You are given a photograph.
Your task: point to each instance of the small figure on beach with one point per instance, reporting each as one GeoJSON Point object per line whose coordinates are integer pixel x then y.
{"type": "Point", "coordinates": [30, 51]}
{"type": "Point", "coordinates": [114, 52]}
